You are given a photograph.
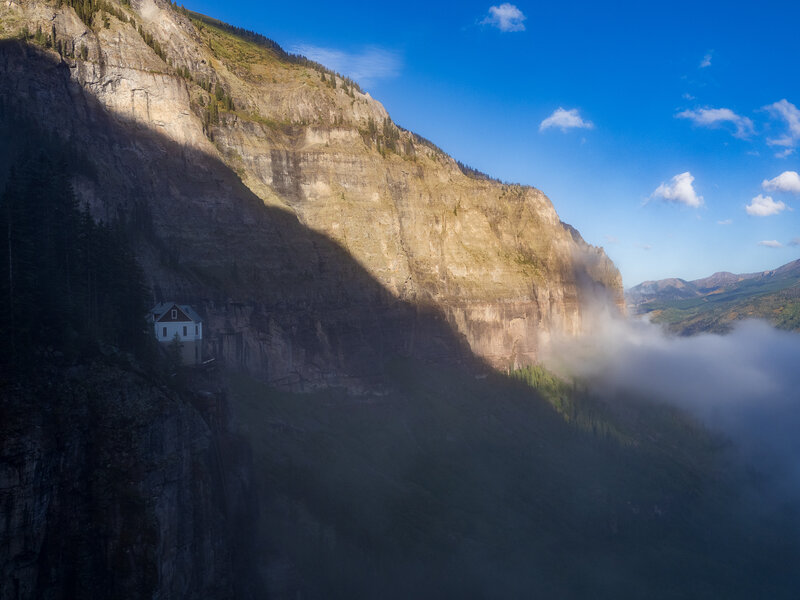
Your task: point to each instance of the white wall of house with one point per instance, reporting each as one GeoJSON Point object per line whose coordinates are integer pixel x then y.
{"type": "Point", "coordinates": [187, 332]}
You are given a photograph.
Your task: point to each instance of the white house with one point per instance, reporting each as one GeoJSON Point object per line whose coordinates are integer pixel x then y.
{"type": "Point", "coordinates": [170, 320]}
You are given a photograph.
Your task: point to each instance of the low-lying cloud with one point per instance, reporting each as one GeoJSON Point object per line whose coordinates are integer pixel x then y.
{"type": "Point", "coordinates": [744, 384]}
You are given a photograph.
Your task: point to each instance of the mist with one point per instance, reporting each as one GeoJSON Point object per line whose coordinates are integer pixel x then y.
{"type": "Point", "coordinates": [744, 385]}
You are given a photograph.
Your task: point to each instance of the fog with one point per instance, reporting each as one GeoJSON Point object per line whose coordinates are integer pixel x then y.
{"type": "Point", "coordinates": [744, 385]}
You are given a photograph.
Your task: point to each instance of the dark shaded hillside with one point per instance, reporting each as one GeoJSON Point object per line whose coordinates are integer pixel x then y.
{"type": "Point", "coordinates": [115, 481]}
{"type": "Point", "coordinates": [446, 486]}
{"type": "Point", "coordinates": [114, 486]}
{"type": "Point", "coordinates": [70, 284]}
{"type": "Point", "coordinates": [715, 303]}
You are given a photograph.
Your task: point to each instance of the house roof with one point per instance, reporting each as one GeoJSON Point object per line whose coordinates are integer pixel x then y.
{"type": "Point", "coordinates": [186, 312]}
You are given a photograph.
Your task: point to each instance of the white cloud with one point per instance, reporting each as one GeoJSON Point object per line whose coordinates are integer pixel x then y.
{"type": "Point", "coordinates": [784, 153]}
{"type": "Point", "coordinates": [679, 190]}
{"type": "Point", "coordinates": [505, 17]}
{"type": "Point", "coordinates": [687, 96]}
{"type": "Point", "coordinates": [783, 109]}
{"type": "Point", "coordinates": [565, 119]}
{"type": "Point", "coordinates": [725, 222]}
{"type": "Point", "coordinates": [771, 244]}
{"type": "Point", "coordinates": [788, 181]}
{"type": "Point", "coordinates": [365, 67]}
{"type": "Point", "coordinates": [795, 242]}
{"type": "Point", "coordinates": [612, 239]}
{"type": "Point", "coordinates": [715, 117]}
{"type": "Point", "coordinates": [764, 206]}
{"type": "Point", "coordinates": [706, 62]}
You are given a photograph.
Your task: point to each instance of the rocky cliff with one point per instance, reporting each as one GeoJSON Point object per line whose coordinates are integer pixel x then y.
{"type": "Point", "coordinates": [114, 486]}
{"type": "Point", "coordinates": [312, 233]}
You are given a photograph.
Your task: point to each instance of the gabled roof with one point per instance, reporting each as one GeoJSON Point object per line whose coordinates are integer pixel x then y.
{"type": "Point", "coordinates": [161, 312]}
{"type": "Point", "coordinates": [191, 313]}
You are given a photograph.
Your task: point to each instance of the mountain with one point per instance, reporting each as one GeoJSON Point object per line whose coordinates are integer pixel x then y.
{"type": "Point", "coordinates": [714, 303]}
{"type": "Point", "coordinates": [318, 240]}
{"type": "Point", "coordinates": [358, 286]}
{"type": "Point", "coordinates": [314, 235]}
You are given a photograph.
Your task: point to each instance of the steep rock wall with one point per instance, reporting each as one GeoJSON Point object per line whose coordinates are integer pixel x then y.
{"type": "Point", "coordinates": [343, 218]}
{"type": "Point", "coordinates": [114, 487]}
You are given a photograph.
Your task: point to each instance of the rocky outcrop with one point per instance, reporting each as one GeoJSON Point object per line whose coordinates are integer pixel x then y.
{"type": "Point", "coordinates": [311, 233]}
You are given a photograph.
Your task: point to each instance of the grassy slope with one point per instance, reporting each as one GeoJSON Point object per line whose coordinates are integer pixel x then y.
{"type": "Point", "coordinates": [449, 486]}
{"type": "Point", "coordinates": [775, 299]}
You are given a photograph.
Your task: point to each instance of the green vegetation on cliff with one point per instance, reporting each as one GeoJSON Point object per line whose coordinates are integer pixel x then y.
{"type": "Point", "coordinates": [272, 46]}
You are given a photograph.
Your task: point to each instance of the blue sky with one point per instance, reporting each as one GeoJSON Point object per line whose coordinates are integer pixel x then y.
{"type": "Point", "coordinates": [665, 132]}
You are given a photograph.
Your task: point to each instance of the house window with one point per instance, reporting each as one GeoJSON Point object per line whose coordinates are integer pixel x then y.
{"type": "Point", "coordinates": [164, 334]}
{"type": "Point", "coordinates": [196, 329]}
{"type": "Point", "coordinates": [174, 313]}
{"type": "Point", "coordinates": [184, 331]}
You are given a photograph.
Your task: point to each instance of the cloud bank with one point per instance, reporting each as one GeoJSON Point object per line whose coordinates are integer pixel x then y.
{"type": "Point", "coordinates": [742, 385]}
{"type": "Point", "coordinates": [565, 119]}
{"type": "Point", "coordinates": [679, 190]}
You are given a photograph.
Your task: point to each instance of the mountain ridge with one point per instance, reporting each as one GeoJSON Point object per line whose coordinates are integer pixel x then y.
{"type": "Point", "coordinates": [713, 303]}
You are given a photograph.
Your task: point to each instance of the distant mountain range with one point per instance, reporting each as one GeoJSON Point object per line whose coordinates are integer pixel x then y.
{"type": "Point", "coordinates": [714, 303]}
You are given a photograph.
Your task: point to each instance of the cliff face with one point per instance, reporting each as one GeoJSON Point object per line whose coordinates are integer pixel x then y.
{"type": "Point", "coordinates": [111, 486]}
{"type": "Point", "coordinates": [293, 214]}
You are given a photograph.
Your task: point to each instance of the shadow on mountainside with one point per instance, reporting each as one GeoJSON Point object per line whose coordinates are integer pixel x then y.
{"type": "Point", "coordinates": [286, 303]}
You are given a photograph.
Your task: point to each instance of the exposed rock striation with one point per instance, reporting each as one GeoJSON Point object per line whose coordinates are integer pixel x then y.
{"type": "Point", "coordinates": [310, 231]}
